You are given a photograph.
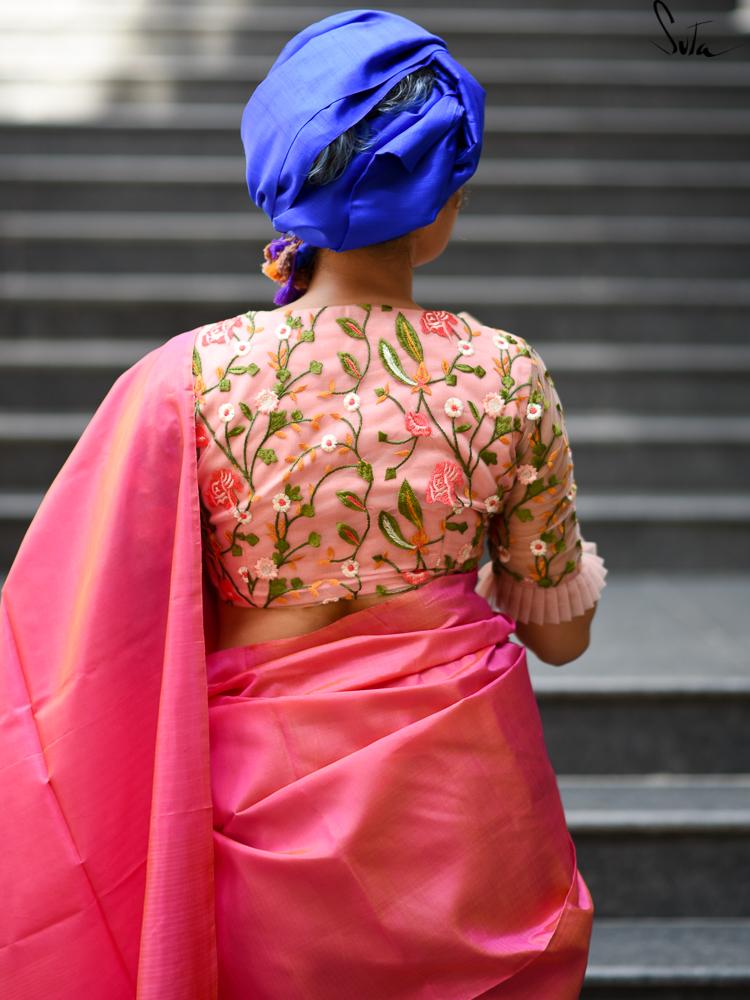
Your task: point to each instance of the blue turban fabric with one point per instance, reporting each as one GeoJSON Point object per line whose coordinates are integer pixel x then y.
{"type": "Point", "coordinates": [326, 79]}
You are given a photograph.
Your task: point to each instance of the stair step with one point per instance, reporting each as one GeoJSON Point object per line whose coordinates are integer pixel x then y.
{"type": "Point", "coordinates": [678, 958]}
{"type": "Point", "coordinates": [119, 242]}
{"type": "Point", "coordinates": [682, 840]}
{"type": "Point", "coordinates": [604, 378]}
{"type": "Point", "coordinates": [529, 131]}
{"type": "Point", "coordinates": [609, 449]}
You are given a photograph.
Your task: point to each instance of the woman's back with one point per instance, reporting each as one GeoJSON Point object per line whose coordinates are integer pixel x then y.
{"type": "Point", "coordinates": [353, 452]}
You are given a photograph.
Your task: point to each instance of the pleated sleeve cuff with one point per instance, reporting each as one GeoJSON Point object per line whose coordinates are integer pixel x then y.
{"type": "Point", "coordinates": [527, 602]}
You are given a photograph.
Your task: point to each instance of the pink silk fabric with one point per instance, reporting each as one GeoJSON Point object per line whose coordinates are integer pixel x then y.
{"type": "Point", "coordinates": [387, 821]}
{"type": "Point", "coordinates": [365, 812]}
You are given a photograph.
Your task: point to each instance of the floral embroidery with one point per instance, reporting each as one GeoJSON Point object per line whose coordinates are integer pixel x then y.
{"type": "Point", "coordinates": [340, 454]}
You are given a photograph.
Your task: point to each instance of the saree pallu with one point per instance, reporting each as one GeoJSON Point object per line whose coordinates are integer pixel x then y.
{"type": "Point", "coordinates": [387, 822]}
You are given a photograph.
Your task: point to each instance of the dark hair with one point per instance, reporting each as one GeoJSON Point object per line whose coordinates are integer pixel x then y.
{"type": "Point", "coordinates": [331, 162]}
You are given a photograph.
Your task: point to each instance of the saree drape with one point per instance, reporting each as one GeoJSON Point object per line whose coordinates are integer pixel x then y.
{"type": "Point", "coordinates": [369, 811]}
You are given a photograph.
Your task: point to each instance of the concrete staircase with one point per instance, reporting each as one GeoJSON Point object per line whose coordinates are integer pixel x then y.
{"type": "Point", "coordinates": [609, 223]}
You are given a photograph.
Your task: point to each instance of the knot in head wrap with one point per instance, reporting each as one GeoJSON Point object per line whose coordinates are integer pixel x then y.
{"type": "Point", "coordinates": [325, 80]}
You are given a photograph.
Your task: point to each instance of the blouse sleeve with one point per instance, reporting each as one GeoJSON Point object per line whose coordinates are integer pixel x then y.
{"type": "Point", "coordinates": [541, 569]}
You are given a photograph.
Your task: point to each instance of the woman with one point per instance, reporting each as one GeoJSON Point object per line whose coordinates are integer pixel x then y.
{"type": "Point", "coordinates": [274, 739]}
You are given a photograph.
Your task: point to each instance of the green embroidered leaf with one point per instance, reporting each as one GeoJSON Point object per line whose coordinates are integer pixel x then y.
{"type": "Point", "coordinates": [277, 587]}
{"type": "Point", "coordinates": [449, 562]}
{"type": "Point", "coordinates": [380, 392]}
{"type": "Point", "coordinates": [351, 327]}
{"type": "Point", "coordinates": [524, 514]}
{"type": "Point", "coordinates": [276, 421]}
{"type": "Point", "coordinates": [389, 526]}
{"type": "Point", "coordinates": [408, 505]}
{"type": "Point", "coordinates": [381, 590]}
{"type": "Point", "coordinates": [463, 367]}
{"type": "Point", "coordinates": [297, 415]}
{"type": "Point", "coordinates": [462, 428]}
{"type": "Point", "coordinates": [382, 436]}
{"type": "Point", "coordinates": [252, 369]}
{"type": "Point", "coordinates": [246, 410]}
{"type": "Point", "coordinates": [538, 486]}
{"type": "Point", "coordinates": [283, 374]}
{"type": "Point", "coordinates": [225, 385]}
{"type": "Point", "coordinates": [503, 425]}
{"type": "Point", "coordinates": [278, 388]}
{"type": "Point", "coordinates": [557, 430]}
{"type": "Point", "coordinates": [314, 539]}
{"type": "Point", "coordinates": [197, 369]}
{"type": "Point", "coordinates": [569, 567]}
{"type": "Point", "coordinates": [365, 471]}
{"type": "Point", "coordinates": [267, 455]}
{"type": "Point", "coordinates": [409, 338]}
{"type": "Point", "coordinates": [236, 550]}
{"type": "Point", "coordinates": [307, 335]}
{"type": "Point", "coordinates": [479, 371]}
{"type": "Point", "coordinates": [349, 364]}
{"type": "Point", "coordinates": [282, 544]}
{"type": "Point", "coordinates": [508, 381]}
{"type": "Point", "coordinates": [250, 539]}
{"type": "Point", "coordinates": [390, 473]}
{"type": "Point", "coordinates": [460, 526]}
{"type": "Point", "coordinates": [391, 362]}
{"type": "Point", "coordinates": [488, 457]}
{"type": "Point", "coordinates": [347, 533]}
{"type": "Point", "coordinates": [548, 536]}
{"type": "Point", "coordinates": [297, 583]}
{"type": "Point", "coordinates": [316, 367]}
{"type": "Point", "coordinates": [474, 411]}
{"type": "Point", "coordinates": [293, 492]}
{"type": "Point", "coordinates": [450, 380]}
{"type": "Point", "coordinates": [235, 431]}
{"type": "Point", "coordinates": [351, 500]}
{"type": "Point", "coordinates": [237, 369]}
{"type": "Point", "coordinates": [546, 582]}
{"type": "Point", "coordinates": [307, 510]}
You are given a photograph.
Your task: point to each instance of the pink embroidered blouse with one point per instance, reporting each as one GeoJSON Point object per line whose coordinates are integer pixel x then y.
{"type": "Point", "coordinates": [365, 449]}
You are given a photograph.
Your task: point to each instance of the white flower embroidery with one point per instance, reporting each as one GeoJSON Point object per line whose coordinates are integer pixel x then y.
{"type": "Point", "coordinates": [500, 342]}
{"type": "Point", "coordinates": [283, 332]}
{"type": "Point", "coordinates": [226, 412]}
{"type": "Point", "coordinates": [266, 569]}
{"type": "Point", "coordinates": [243, 516]}
{"type": "Point", "coordinates": [350, 568]}
{"type": "Point", "coordinates": [244, 572]}
{"type": "Point", "coordinates": [281, 502]}
{"type": "Point", "coordinates": [573, 490]}
{"type": "Point", "coordinates": [534, 411]}
{"type": "Point", "coordinates": [538, 547]}
{"type": "Point", "coordinates": [331, 600]}
{"type": "Point", "coordinates": [465, 348]}
{"type": "Point", "coordinates": [267, 400]}
{"type": "Point", "coordinates": [464, 553]}
{"type": "Point", "coordinates": [527, 474]}
{"type": "Point", "coordinates": [492, 504]}
{"type": "Point", "coordinates": [493, 404]}
{"type": "Point", "coordinates": [328, 442]}
{"type": "Point", "coordinates": [453, 406]}
{"type": "Point", "coordinates": [242, 347]}
{"type": "Point", "coordinates": [351, 401]}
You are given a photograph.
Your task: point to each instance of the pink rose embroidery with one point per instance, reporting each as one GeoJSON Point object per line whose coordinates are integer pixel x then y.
{"type": "Point", "coordinates": [438, 321]}
{"type": "Point", "coordinates": [201, 438]}
{"type": "Point", "coordinates": [222, 489]}
{"type": "Point", "coordinates": [417, 424]}
{"type": "Point", "coordinates": [415, 578]}
{"type": "Point", "coordinates": [447, 478]}
{"type": "Point", "coordinates": [221, 333]}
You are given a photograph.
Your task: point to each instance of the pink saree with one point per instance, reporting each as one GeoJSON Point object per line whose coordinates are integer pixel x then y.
{"type": "Point", "coordinates": [368, 811]}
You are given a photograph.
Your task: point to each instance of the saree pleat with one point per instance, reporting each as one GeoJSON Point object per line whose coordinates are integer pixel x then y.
{"type": "Point", "coordinates": [387, 822]}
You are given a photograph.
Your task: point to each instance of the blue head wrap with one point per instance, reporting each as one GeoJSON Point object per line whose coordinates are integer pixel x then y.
{"type": "Point", "coordinates": [326, 79]}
